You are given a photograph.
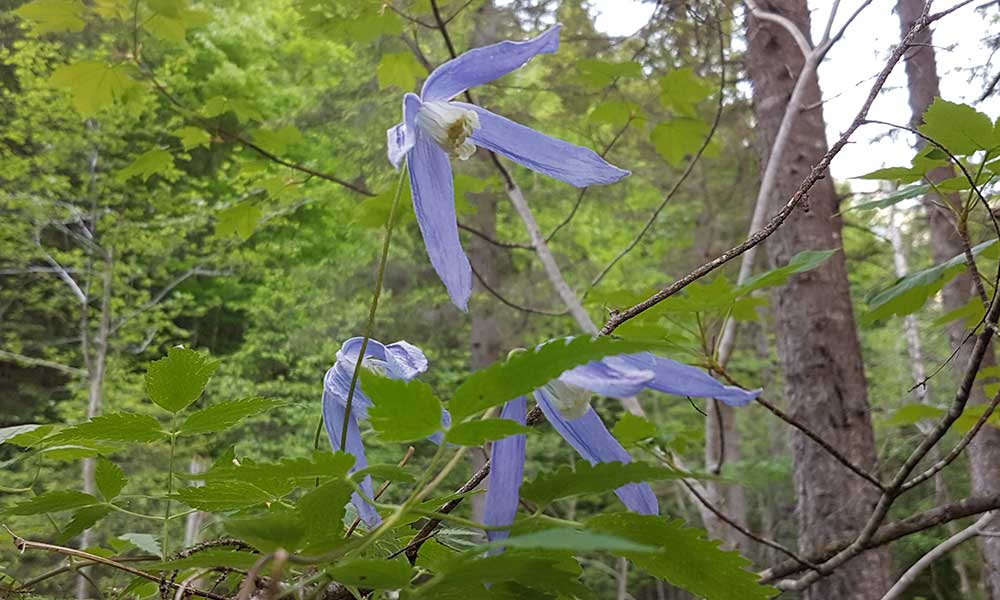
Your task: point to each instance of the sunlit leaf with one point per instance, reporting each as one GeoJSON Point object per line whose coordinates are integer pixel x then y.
{"type": "Point", "coordinates": [49, 16]}
{"type": "Point", "coordinates": [109, 477]}
{"type": "Point", "coordinates": [94, 85]}
{"type": "Point", "coordinates": [175, 381]}
{"type": "Point", "coordinates": [400, 70]}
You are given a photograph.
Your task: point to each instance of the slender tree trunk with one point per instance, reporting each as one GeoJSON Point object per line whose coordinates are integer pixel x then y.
{"type": "Point", "coordinates": [946, 242]}
{"type": "Point", "coordinates": [96, 363]}
{"type": "Point", "coordinates": [817, 340]}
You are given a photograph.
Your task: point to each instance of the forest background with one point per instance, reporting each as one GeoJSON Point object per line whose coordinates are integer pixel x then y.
{"type": "Point", "coordinates": [213, 175]}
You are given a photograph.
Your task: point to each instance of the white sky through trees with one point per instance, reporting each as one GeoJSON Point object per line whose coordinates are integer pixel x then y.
{"type": "Point", "coordinates": [846, 75]}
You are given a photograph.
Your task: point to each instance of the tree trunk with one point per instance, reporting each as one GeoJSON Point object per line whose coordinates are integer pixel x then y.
{"type": "Point", "coordinates": [817, 341]}
{"type": "Point", "coordinates": [946, 242]}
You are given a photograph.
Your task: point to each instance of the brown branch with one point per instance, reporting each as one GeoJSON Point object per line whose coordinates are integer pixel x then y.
{"type": "Point", "coordinates": [498, 243]}
{"type": "Point", "coordinates": [514, 305]}
{"type": "Point", "coordinates": [22, 544]}
{"type": "Point", "coordinates": [891, 532]}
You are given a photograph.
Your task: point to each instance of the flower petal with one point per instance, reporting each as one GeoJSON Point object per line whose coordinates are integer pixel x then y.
{"type": "Point", "coordinates": [434, 204]}
{"type": "Point", "coordinates": [673, 377]}
{"type": "Point", "coordinates": [404, 360]}
{"type": "Point", "coordinates": [506, 470]}
{"type": "Point", "coordinates": [594, 442]}
{"type": "Point", "coordinates": [550, 156]}
{"type": "Point", "coordinates": [333, 419]}
{"type": "Point", "coordinates": [399, 138]}
{"type": "Point", "coordinates": [482, 65]}
{"type": "Point", "coordinates": [605, 380]}
{"type": "Point", "coordinates": [438, 437]}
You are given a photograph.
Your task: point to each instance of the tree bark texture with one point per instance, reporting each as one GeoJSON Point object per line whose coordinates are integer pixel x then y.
{"type": "Point", "coordinates": [946, 242]}
{"type": "Point", "coordinates": [817, 342]}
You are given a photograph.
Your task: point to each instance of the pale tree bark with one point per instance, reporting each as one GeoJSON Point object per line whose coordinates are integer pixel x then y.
{"type": "Point", "coordinates": [946, 242]}
{"type": "Point", "coordinates": [817, 341]}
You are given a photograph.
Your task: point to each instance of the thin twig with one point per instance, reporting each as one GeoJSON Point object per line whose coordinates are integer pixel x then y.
{"type": "Point", "coordinates": [512, 304]}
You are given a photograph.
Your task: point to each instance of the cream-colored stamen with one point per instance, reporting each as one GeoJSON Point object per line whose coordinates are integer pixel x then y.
{"type": "Point", "coordinates": [571, 401]}
{"type": "Point", "coordinates": [450, 126]}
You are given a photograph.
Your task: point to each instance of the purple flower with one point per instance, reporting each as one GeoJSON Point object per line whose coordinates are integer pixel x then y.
{"type": "Point", "coordinates": [565, 402]}
{"type": "Point", "coordinates": [434, 128]}
{"type": "Point", "coordinates": [400, 360]}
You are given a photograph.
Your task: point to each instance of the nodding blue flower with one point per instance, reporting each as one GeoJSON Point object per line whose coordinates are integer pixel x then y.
{"type": "Point", "coordinates": [435, 128]}
{"type": "Point", "coordinates": [565, 402]}
{"type": "Point", "coordinates": [400, 360]}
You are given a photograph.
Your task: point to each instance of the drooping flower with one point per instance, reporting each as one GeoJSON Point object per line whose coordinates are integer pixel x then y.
{"type": "Point", "coordinates": [435, 128]}
{"type": "Point", "coordinates": [400, 360]}
{"type": "Point", "coordinates": [565, 403]}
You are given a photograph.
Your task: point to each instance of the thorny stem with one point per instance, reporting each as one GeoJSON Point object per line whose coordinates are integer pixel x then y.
{"type": "Point", "coordinates": [374, 307]}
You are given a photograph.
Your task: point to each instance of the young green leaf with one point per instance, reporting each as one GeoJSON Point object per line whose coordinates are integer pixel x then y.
{"type": "Point", "coordinates": [56, 501]}
{"type": "Point", "coordinates": [524, 371]}
{"type": "Point", "coordinates": [193, 137]}
{"type": "Point", "coordinates": [891, 199]}
{"type": "Point", "coordinates": [374, 573]}
{"type": "Point", "coordinates": [807, 260]}
{"type": "Point", "coordinates": [631, 429]}
{"type": "Point", "coordinates": [403, 411]}
{"type": "Point", "coordinates": [958, 127]}
{"type": "Point", "coordinates": [10, 433]}
{"type": "Point", "coordinates": [224, 415]}
{"type": "Point", "coordinates": [174, 382]}
{"type": "Point", "coordinates": [143, 541]}
{"type": "Point", "coordinates": [109, 477]}
{"type": "Point", "coordinates": [911, 414]}
{"type": "Point", "coordinates": [476, 433]}
{"type": "Point", "coordinates": [596, 73]}
{"type": "Point", "coordinates": [50, 16]}
{"type": "Point", "coordinates": [238, 220]}
{"type": "Point", "coordinates": [223, 495]}
{"type": "Point", "coordinates": [399, 69]}
{"type": "Point", "coordinates": [685, 558]}
{"type": "Point", "coordinates": [112, 427]}
{"type": "Point", "coordinates": [590, 479]}
{"type": "Point", "coordinates": [82, 519]}
{"type": "Point", "coordinates": [681, 90]}
{"type": "Point", "coordinates": [94, 85]}
{"type": "Point", "coordinates": [678, 138]}
{"type": "Point", "coordinates": [269, 531]}
{"type": "Point", "coordinates": [147, 164]}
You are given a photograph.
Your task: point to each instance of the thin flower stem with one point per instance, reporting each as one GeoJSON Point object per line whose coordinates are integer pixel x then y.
{"type": "Point", "coordinates": [374, 307]}
{"type": "Point", "coordinates": [165, 537]}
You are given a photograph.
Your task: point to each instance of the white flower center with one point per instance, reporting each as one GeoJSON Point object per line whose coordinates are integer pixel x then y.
{"type": "Point", "coordinates": [450, 126]}
{"type": "Point", "coordinates": [376, 366]}
{"type": "Point", "coordinates": [571, 401]}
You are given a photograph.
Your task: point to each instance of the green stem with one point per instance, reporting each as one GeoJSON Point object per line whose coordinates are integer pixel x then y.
{"type": "Point", "coordinates": [371, 311]}
{"type": "Point", "coordinates": [165, 541]}
{"type": "Point", "coordinates": [131, 513]}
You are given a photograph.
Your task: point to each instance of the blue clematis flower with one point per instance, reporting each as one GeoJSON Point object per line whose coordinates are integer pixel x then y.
{"type": "Point", "coordinates": [400, 360]}
{"type": "Point", "coordinates": [565, 403]}
{"type": "Point", "coordinates": [435, 128]}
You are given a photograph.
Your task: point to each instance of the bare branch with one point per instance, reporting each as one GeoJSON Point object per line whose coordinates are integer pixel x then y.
{"type": "Point", "coordinates": [40, 362]}
{"type": "Point", "coordinates": [800, 38]}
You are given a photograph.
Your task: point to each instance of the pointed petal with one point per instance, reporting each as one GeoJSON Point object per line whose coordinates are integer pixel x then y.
{"type": "Point", "coordinates": [404, 360]}
{"type": "Point", "coordinates": [482, 65]}
{"type": "Point", "coordinates": [434, 204]}
{"type": "Point", "coordinates": [594, 442]}
{"type": "Point", "coordinates": [550, 156]}
{"type": "Point", "coordinates": [673, 377]}
{"type": "Point", "coordinates": [333, 419]}
{"type": "Point", "coordinates": [399, 138]}
{"type": "Point", "coordinates": [506, 470]}
{"type": "Point", "coordinates": [605, 380]}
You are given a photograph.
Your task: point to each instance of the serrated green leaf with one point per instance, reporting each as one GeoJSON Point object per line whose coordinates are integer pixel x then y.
{"type": "Point", "coordinates": [575, 540]}
{"type": "Point", "coordinates": [82, 520]}
{"type": "Point", "coordinates": [615, 112]}
{"type": "Point", "coordinates": [591, 479]}
{"type": "Point", "coordinates": [678, 138]}
{"type": "Point", "coordinates": [278, 479]}
{"type": "Point", "coordinates": [143, 541]}
{"type": "Point", "coordinates": [524, 371]}
{"type": "Point", "coordinates": [596, 73]}
{"type": "Point", "coordinates": [900, 174]}
{"type": "Point", "coordinates": [910, 414]}
{"type": "Point", "coordinates": [269, 531]}
{"type": "Point", "coordinates": [403, 411]}
{"type": "Point", "coordinates": [958, 127]}
{"type": "Point", "coordinates": [30, 437]}
{"type": "Point", "coordinates": [240, 220]}
{"type": "Point", "coordinates": [383, 471]}
{"type": "Point", "coordinates": [224, 415]}
{"type": "Point", "coordinates": [909, 293]}
{"type": "Point", "coordinates": [174, 382]}
{"type": "Point", "coordinates": [219, 105]}
{"type": "Point", "coordinates": [9, 433]}
{"type": "Point", "coordinates": [277, 141]}
{"type": "Point", "coordinates": [631, 429]}
{"type": "Point", "coordinates": [374, 573]}
{"type": "Point", "coordinates": [685, 558]}
{"type": "Point", "coordinates": [681, 90]}
{"type": "Point", "coordinates": [220, 496]}
{"type": "Point", "coordinates": [541, 572]}
{"type": "Point", "coordinates": [94, 85]}
{"type": "Point", "coordinates": [399, 69]}
{"type": "Point", "coordinates": [891, 199]}
{"type": "Point", "coordinates": [192, 137]}
{"type": "Point", "coordinates": [476, 433]}
{"type": "Point", "coordinates": [112, 427]}
{"type": "Point", "coordinates": [212, 557]}
{"type": "Point", "coordinates": [323, 509]}
{"type": "Point", "coordinates": [49, 16]}
{"type": "Point", "coordinates": [147, 164]}
{"type": "Point", "coordinates": [56, 501]}
{"type": "Point", "coordinates": [807, 260]}
{"type": "Point", "coordinates": [109, 477]}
